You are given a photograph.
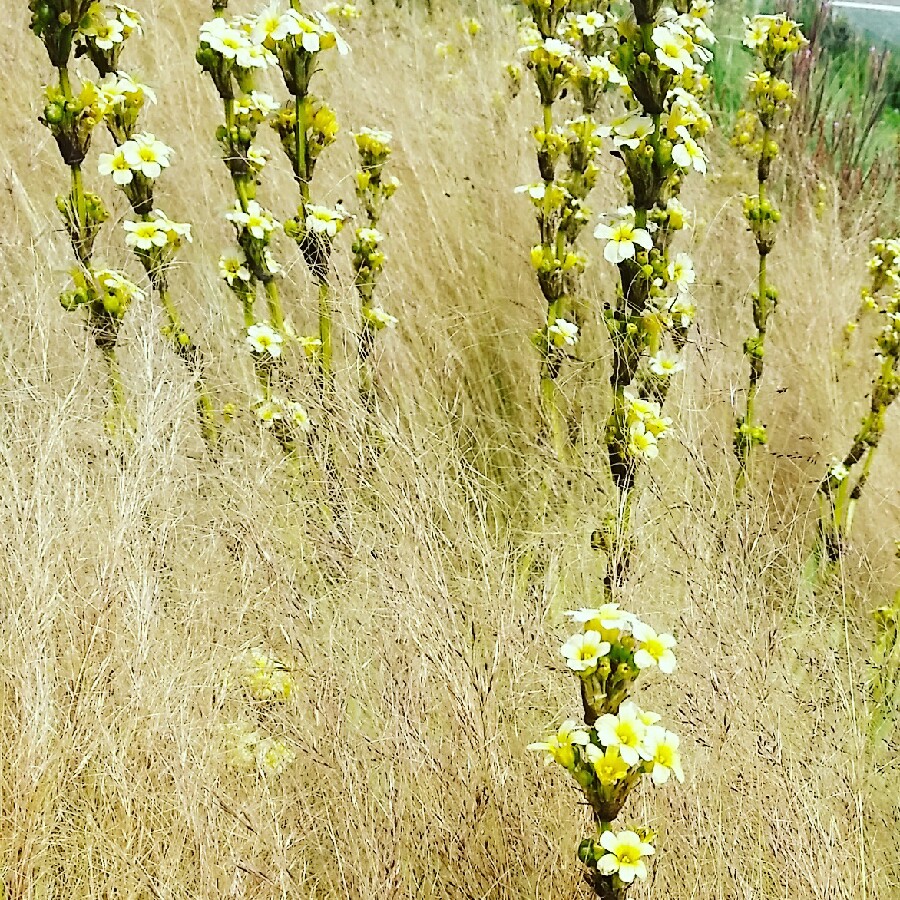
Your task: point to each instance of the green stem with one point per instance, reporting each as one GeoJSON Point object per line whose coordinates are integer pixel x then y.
{"type": "Point", "coordinates": [744, 446]}
{"type": "Point", "coordinates": [325, 354]}
{"type": "Point", "coordinates": [186, 350]}
{"type": "Point", "coordinates": [273, 301]}
{"type": "Point", "coordinates": [119, 420]}
{"type": "Point", "coordinates": [300, 147]}
{"type": "Point", "coordinates": [550, 405]}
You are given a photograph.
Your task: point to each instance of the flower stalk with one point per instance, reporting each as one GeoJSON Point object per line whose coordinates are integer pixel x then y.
{"type": "Point", "coordinates": [306, 125]}
{"type": "Point", "coordinates": [618, 743]}
{"type": "Point", "coordinates": [659, 56]}
{"type": "Point", "coordinates": [231, 51]}
{"type": "Point", "coordinates": [71, 116]}
{"type": "Point", "coordinates": [560, 215]}
{"type": "Point", "coordinates": [774, 39]}
{"type": "Point", "coordinates": [373, 189]}
{"type": "Point", "coordinates": [843, 484]}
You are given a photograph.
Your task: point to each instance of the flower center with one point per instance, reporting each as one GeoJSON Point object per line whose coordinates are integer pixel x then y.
{"type": "Point", "coordinates": [627, 734]}
{"type": "Point", "coordinates": [628, 855]}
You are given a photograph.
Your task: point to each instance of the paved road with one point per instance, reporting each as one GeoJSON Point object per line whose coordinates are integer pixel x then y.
{"type": "Point", "coordinates": [883, 6]}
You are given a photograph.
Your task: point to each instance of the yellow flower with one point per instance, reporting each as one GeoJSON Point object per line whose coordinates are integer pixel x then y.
{"type": "Point", "coordinates": [609, 767]}
{"type": "Point", "coordinates": [583, 652]}
{"type": "Point", "coordinates": [273, 756]}
{"type": "Point", "coordinates": [560, 747]}
{"type": "Point", "coordinates": [624, 855]}
{"type": "Point", "coordinates": [624, 731]}
{"type": "Point", "coordinates": [663, 756]}
{"type": "Point", "coordinates": [265, 677]}
{"type": "Point", "coordinates": [655, 649]}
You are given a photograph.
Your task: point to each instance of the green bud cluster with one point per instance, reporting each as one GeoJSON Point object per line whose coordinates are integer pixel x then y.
{"type": "Point", "coordinates": [72, 119]}
{"type": "Point", "coordinates": [321, 132]}
{"type": "Point", "coordinates": [82, 232]}
{"type": "Point", "coordinates": [57, 23]}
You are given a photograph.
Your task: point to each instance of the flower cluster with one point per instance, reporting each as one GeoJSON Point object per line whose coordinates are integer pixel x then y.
{"type": "Point", "coordinates": [104, 31]}
{"type": "Point", "coordinates": [619, 742]}
{"type": "Point", "coordinates": [247, 750]}
{"type": "Point", "coordinates": [842, 485]}
{"type": "Point", "coordinates": [106, 293]}
{"type": "Point", "coordinates": [266, 680]}
{"type": "Point", "coordinates": [373, 188]}
{"type": "Point", "coordinates": [656, 63]}
{"type": "Point", "coordinates": [644, 420]}
{"type": "Point", "coordinates": [274, 411]}
{"type": "Point", "coordinates": [134, 166]}
{"type": "Point", "coordinates": [265, 677]}
{"type": "Point", "coordinates": [125, 100]}
{"type": "Point", "coordinates": [773, 39]}
{"type": "Point", "coordinates": [72, 118]}
{"type": "Point", "coordinates": [884, 272]}
{"type": "Point", "coordinates": [567, 51]}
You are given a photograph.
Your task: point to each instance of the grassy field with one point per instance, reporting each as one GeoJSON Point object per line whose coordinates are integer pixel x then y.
{"type": "Point", "coordinates": [421, 601]}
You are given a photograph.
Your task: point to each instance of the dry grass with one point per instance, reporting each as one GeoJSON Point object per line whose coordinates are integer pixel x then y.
{"type": "Point", "coordinates": [423, 617]}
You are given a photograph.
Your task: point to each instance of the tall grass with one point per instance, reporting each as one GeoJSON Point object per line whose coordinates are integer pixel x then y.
{"type": "Point", "coordinates": [419, 622]}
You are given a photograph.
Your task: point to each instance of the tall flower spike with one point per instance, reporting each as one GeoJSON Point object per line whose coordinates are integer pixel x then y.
{"type": "Point", "coordinates": [373, 188]}
{"type": "Point", "coordinates": [658, 61]}
{"type": "Point", "coordinates": [842, 485]}
{"type": "Point", "coordinates": [138, 160]}
{"type": "Point", "coordinates": [618, 744]}
{"type": "Point", "coordinates": [773, 39]}
{"type": "Point", "coordinates": [232, 50]}
{"type": "Point", "coordinates": [554, 63]}
{"type": "Point", "coordinates": [72, 115]}
{"type": "Point", "coordinates": [306, 126]}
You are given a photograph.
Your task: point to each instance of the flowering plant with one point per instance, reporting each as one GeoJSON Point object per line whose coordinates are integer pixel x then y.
{"type": "Point", "coordinates": [232, 50]}
{"type": "Point", "coordinates": [659, 55]}
{"type": "Point", "coordinates": [372, 190]}
{"type": "Point", "coordinates": [72, 116]}
{"type": "Point", "coordinates": [774, 39]}
{"type": "Point", "coordinates": [619, 743]}
{"type": "Point", "coordinates": [138, 160]}
{"type": "Point", "coordinates": [842, 486]}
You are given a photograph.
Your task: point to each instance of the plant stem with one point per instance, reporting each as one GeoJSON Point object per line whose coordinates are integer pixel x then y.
{"type": "Point", "coordinates": [325, 354]}
{"type": "Point", "coordinates": [746, 440]}
{"type": "Point", "coordinates": [119, 421]}
{"type": "Point", "coordinates": [300, 148]}
{"type": "Point", "coordinates": [273, 301]}
{"type": "Point", "coordinates": [190, 355]}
